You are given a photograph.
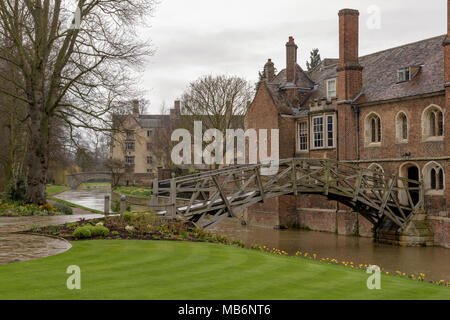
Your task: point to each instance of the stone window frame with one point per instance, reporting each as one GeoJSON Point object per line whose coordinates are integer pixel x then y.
{"type": "Point", "coordinates": [439, 126]}
{"type": "Point", "coordinates": [329, 95]}
{"type": "Point", "coordinates": [371, 133]}
{"type": "Point", "coordinates": [130, 146]}
{"type": "Point", "coordinates": [437, 189]}
{"type": "Point", "coordinates": [149, 159]}
{"type": "Point", "coordinates": [325, 132]}
{"type": "Point", "coordinates": [130, 160]}
{"type": "Point", "coordinates": [305, 122]}
{"type": "Point", "coordinates": [149, 133]}
{"type": "Point", "coordinates": [399, 127]}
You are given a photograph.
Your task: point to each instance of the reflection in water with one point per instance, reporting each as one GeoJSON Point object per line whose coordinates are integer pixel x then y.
{"type": "Point", "coordinates": [89, 198]}
{"type": "Point", "coordinates": [434, 262]}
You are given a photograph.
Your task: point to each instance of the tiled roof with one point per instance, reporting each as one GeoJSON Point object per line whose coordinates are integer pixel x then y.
{"type": "Point", "coordinates": [379, 75]}
{"type": "Point", "coordinates": [380, 70]}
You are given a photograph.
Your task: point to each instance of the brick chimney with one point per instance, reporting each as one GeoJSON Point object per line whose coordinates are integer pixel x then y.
{"type": "Point", "coordinates": [269, 70]}
{"type": "Point", "coordinates": [291, 60]}
{"type": "Point", "coordinates": [136, 112]}
{"type": "Point", "coordinates": [176, 111]}
{"type": "Point", "coordinates": [349, 83]}
{"type": "Point", "coordinates": [446, 45]}
{"type": "Point", "coordinates": [349, 69]}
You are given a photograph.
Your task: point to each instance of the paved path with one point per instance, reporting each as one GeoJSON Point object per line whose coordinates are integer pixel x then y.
{"type": "Point", "coordinates": [19, 247]}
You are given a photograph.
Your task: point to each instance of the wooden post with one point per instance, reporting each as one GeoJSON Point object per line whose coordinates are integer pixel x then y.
{"type": "Point", "coordinates": [106, 210]}
{"type": "Point", "coordinates": [171, 207]}
{"type": "Point", "coordinates": [294, 177]}
{"type": "Point", "coordinates": [154, 197]}
{"type": "Point", "coordinates": [123, 204]}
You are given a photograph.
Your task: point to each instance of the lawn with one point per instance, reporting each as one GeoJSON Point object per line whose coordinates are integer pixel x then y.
{"type": "Point", "coordinates": [90, 185]}
{"type": "Point", "coordinates": [139, 192]}
{"type": "Point", "coordinates": [52, 190]}
{"type": "Point", "coordinates": [129, 269]}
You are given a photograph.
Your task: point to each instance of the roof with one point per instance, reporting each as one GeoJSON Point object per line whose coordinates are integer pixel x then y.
{"type": "Point", "coordinates": [379, 75]}
{"type": "Point", "coordinates": [380, 70]}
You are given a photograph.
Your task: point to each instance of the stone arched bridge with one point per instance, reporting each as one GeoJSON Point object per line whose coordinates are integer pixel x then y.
{"type": "Point", "coordinates": [74, 180]}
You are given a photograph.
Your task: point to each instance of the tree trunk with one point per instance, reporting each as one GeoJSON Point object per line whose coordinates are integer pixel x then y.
{"type": "Point", "coordinates": [38, 156]}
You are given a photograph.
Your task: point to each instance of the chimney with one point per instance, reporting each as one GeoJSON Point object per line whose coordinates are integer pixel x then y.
{"type": "Point", "coordinates": [269, 70]}
{"type": "Point", "coordinates": [136, 108]}
{"type": "Point", "coordinates": [349, 69]}
{"type": "Point", "coordinates": [291, 60]}
{"type": "Point", "coordinates": [446, 45]}
{"type": "Point", "coordinates": [176, 111]}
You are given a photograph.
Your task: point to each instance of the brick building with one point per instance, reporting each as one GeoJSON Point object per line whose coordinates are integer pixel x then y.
{"type": "Point", "coordinates": [386, 111]}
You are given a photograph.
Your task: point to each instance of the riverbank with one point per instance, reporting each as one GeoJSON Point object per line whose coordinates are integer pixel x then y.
{"type": "Point", "coordinates": [199, 271]}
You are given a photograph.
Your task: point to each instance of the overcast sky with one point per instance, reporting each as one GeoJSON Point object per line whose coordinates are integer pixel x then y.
{"type": "Point", "coordinates": [235, 37]}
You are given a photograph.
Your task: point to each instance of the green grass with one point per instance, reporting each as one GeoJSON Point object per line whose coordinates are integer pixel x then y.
{"type": "Point", "coordinates": [52, 190]}
{"type": "Point", "coordinates": [139, 192]}
{"type": "Point", "coordinates": [89, 185]}
{"type": "Point", "coordinates": [184, 270]}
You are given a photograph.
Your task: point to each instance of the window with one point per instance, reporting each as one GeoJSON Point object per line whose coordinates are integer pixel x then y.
{"type": "Point", "coordinates": [149, 160]}
{"type": "Point", "coordinates": [129, 160]}
{"type": "Point", "coordinates": [149, 133]}
{"type": "Point", "coordinates": [433, 174]}
{"type": "Point", "coordinates": [330, 131]}
{"type": "Point", "coordinates": [129, 145]}
{"type": "Point", "coordinates": [401, 124]}
{"type": "Point", "coordinates": [437, 179]}
{"type": "Point", "coordinates": [149, 146]}
{"type": "Point", "coordinates": [130, 134]}
{"type": "Point", "coordinates": [323, 132]}
{"type": "Point", "coordinates": [303, 136]}
{"type": "Point", "coordinates": [318, 132]}
{"type": "Point", "coordinates": [373, 129]}
{"type": "Point", "coordinates": [331, 89]}
{"type": "Point", "coordinates": [149, 171]}
{"type": "Point", "coordinates": [433, 122]}
{"type": "Point", "coordinates": [404, 74]}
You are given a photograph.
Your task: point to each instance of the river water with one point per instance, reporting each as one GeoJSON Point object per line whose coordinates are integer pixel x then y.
{"type": "Point", "coordinates": [434, 262]}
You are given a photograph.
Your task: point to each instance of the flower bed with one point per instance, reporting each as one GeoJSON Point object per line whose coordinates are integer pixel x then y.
{"type": "Point", "coordinates": [16, 208]}
{"type": "Point", "coordinates": [142, 226]}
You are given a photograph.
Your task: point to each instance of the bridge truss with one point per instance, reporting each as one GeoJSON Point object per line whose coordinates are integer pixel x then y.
{"type": "Point", "coordinates": [207, 198]}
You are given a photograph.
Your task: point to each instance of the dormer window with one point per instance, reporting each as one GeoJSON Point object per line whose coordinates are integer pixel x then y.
{"type": "Point", "coordinates": [404, 74]}
{"type": "Point", "coordinates": [331, 89]}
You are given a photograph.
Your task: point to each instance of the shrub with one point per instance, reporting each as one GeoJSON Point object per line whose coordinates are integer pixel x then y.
{"type": "Point", "coordinates": [82, 232]}
{"type": "Point", "coordinates": [115, 206]}
{"type": "Point", "coordinates": [115, 233]}
{"type": "Point", "coordinates": [99, 231]}
{"type": "Point", "coordinates": [17, 190]}
{"type": "Point", "coordinates": [127, 216]}
{"type": "Point", "coordinates": [63, 208]}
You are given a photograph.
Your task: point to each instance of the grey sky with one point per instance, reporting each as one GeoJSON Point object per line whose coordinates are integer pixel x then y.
{"type": "Point", "coordinates": [235, 37]}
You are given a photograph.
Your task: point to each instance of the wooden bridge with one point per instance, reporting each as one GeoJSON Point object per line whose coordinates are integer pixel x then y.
{"type": "Point", "coordinates": [210, 197]}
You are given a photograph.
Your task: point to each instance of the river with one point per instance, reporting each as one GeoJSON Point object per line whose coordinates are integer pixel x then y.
{"type": "Point", "coordinates": [434, 262]}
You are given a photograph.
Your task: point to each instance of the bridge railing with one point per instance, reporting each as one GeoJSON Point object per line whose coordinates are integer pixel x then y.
{"type": "Point", "coordinates": [230, 189]}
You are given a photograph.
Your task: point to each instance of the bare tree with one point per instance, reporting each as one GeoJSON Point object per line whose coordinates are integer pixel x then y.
{"type": "Point", "coordinates": [74, 72]}
{"type": "Point", "coordinates": [117, 169]}
{"type": "Point", "coordinates": [217, 101]}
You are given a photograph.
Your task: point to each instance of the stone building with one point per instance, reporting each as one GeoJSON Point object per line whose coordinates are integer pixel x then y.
{"type": "Point", "coordinates": [386, 111]}
{"type": "Point", "coordinates": [137, 143]}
